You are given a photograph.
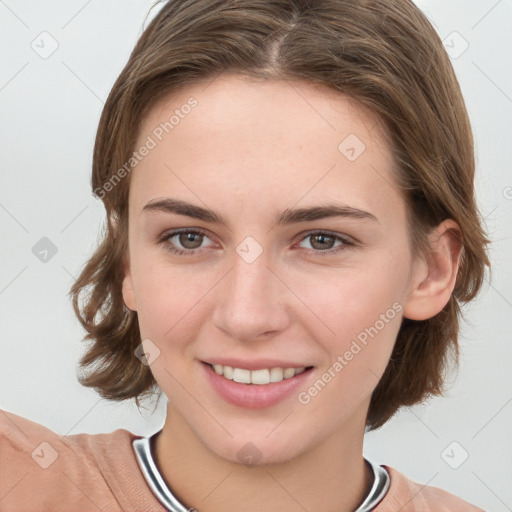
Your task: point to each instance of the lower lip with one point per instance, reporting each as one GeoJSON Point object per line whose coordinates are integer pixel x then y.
{"type": "Point", "coordinates": [254, 396]}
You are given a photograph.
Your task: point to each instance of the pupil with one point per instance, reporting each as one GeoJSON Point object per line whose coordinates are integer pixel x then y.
{"type": "Point", "coordinates": [322, 239]}
{"type": "Point", "coordinates": [189, 237]}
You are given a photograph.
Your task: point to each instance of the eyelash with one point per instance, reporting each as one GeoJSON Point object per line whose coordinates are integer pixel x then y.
{"type": "Point", "coordinates": [164, 239]}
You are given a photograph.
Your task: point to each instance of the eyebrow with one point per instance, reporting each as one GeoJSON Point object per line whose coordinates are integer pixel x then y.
{"type": "Point", "coordinates": [286, 217]}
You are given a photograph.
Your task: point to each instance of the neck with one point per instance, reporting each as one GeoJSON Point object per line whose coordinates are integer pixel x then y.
{"type": "Point", "coordinates": [332, 477]}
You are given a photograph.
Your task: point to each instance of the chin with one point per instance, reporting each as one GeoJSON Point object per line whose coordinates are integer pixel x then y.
{"type": "Point", "coordinates": [250, 455]}
{"type": "Point", "coordinates": [254, 450]}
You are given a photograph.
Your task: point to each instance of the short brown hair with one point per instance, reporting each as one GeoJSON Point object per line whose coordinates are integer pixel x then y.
{"type": "Point", "coordinates": [383, 53]}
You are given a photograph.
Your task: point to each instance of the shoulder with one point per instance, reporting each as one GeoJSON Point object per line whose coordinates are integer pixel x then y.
{"type": "Point", "coordinates": [409, 496]}
{"type": "Point", "coordinates": [42, 470]}
{"type": "Point", "coordinates": [30, 444]}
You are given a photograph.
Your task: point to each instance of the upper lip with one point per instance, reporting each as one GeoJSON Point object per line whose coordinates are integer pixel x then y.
{"type": "Point", "coordinates": [255, 364]}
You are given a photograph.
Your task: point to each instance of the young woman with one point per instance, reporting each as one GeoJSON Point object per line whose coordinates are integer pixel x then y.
{"type": "Point", "coordinates": [291, 230]}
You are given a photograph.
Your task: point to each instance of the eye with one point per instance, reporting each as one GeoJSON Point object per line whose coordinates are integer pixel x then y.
{"type": "Point", "coordinates": [324, 243]}
{"type": "Point", "coordinates": [187, 242]}
{"type": "Point", "coordinates": [183, 242]}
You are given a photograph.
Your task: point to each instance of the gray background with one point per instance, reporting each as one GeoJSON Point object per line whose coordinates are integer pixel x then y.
{"type": "Point", "coordinates": [50, 106]}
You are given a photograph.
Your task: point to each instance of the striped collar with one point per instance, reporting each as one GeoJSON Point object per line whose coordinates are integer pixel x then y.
{"type": "Point", "coordinates": [143, 451]}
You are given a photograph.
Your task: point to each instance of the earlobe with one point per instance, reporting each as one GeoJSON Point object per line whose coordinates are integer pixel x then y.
{"type": "Point", "coordinates": [127, 289]}
{"type": "Point", "coordinates": [435, 279]}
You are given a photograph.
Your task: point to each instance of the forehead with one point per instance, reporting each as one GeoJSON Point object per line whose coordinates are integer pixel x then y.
{"type": "Point", "coordinates": [264, 105]}
{"type": "Point", "coordinates": [242, 139]}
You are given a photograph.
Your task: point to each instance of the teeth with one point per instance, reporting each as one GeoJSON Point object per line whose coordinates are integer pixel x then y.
{"type": "Point", "coordinates": [243, 376]}
{"type": "Point", "coordinates": [227, 371]}
{"type": "Point", "coordinates": [289, 372]}
{"type": "Point", "coordinates": [260, 377]}
{"type": "Point", "coordinates": [276, 375]}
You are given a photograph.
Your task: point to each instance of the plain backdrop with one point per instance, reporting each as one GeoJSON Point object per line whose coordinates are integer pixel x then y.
{"type": "Point", "coordinates": [59, 62]}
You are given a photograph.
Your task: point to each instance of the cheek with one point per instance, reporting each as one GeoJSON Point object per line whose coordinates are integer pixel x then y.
{"type": "Point", "coordinates": [345, 301]}
{"type": "Point", "coordinates": [169, 300]}
{"type": "Point", "coordinates": [365, 325]}
{"type": "Point", "coordinates": [357, 316]}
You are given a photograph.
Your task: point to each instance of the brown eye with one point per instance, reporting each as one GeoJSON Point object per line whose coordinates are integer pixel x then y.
{"type": "Point", "coordinates": [184, 242]}
{"type": "Point", "coordinates": [190, 240]}
{"type": "Point", "coordinates": [322, 241]}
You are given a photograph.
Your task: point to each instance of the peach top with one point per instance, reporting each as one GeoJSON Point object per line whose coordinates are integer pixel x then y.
{"type": "Point", "coordinates": [41, 470]}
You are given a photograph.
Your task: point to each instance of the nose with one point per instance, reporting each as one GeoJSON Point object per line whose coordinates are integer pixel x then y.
{"type": "Point", "coordinates": [251, 301]}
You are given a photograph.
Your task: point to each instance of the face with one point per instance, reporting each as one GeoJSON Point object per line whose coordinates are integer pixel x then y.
{"type": "Point", "coordinates": [267, 242]}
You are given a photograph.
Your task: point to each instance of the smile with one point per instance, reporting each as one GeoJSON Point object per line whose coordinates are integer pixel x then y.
{"type": "Point", "coordinates": [259, 387]}
{"type": "Point", "coordinates": [259, 377]}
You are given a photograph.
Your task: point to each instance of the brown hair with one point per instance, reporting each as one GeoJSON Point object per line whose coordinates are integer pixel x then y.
{"type": "Point", "coordinates": [385, 54]}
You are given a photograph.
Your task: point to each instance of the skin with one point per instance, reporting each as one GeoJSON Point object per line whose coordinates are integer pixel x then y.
{"type": "Point", "coordinates": [251, 148]}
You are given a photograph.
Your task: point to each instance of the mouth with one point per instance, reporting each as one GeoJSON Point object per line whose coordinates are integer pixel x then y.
{"type": "Point", "coordinates": [256, 388]}
{"type": "Point", "coordinates": [259, 377]}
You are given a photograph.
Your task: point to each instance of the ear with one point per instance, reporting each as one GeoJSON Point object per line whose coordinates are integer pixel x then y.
{"type": "Point", "coordinates": [128, 291]}
{"type": "Point", "coordinates": [434, 277]}
{"type": "Point", "coordinates": [127, 287]}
